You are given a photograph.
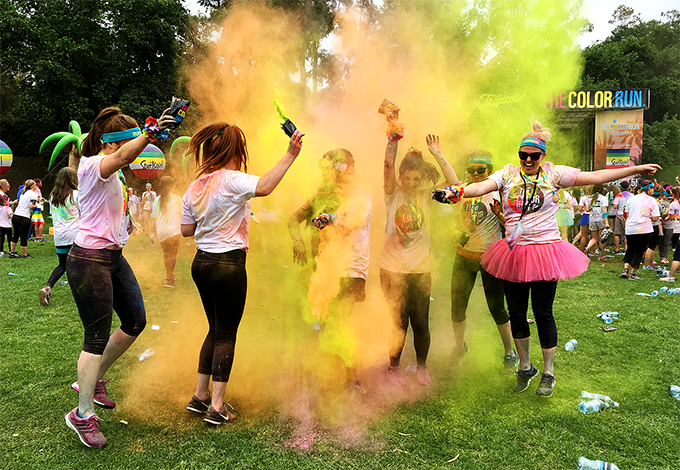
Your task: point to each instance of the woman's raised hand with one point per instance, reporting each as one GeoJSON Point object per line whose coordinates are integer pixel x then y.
{"type": "Point", "coordinates": [166, 121]}
{"type": "Point", "coordinates": [433, 144]}
{"type": "Point", "coordinates": [295, 144]}
{"type": "Point", "coordinates": [299, 252]}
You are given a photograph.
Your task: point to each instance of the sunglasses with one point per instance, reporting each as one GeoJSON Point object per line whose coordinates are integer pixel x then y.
{"type": "Point", "coordinates": [479, 171]}
{"type": "Point", "coordinates": [534, 156]}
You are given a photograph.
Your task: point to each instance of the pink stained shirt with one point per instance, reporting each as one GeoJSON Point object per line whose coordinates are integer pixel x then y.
{"type": "Point", "coordinates": [640, 209]}
{"type": "Point", "coordinates": [219, 204]}
{"type": "Point", "coordinates": [6, 217]}
{"type": "Point", "coordinates": [539, 223]}
{"type": "Point", "coordinates": [103, 203]}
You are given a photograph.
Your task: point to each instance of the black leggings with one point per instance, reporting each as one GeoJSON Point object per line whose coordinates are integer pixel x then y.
{"type": "Point", "coordinates": [542, 298]}
{"type": "Point", "coordinates": [408, 296]}
{"type": "Point", "coordinates": [21, 225]}
{"type": "Point", "coordinates": [637, 245]}
{"type": "Point", "coordinates": [102, 281]}
{"type": "Point", "coordinates": [654, 240]}
{"type": "Point", "coordinates": [61, 268]}
{"type": "Point", "coordinates": [5, 232]}
{"type": "Point", "coordinates": [222, 284]}
{"type": "Point", "coordinates": [462, 282]}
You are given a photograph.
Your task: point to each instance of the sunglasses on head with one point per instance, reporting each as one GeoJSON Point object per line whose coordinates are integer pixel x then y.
{"type": "Point", "coordinates": [478, 170]}
{"type": "Point", "coordinates": [535, 156]}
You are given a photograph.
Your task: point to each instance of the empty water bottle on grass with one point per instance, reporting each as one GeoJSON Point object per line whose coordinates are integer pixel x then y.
{"type": "Point", "coordinates": [146, 354]}
{"type": "Point", "coordinates": [592, 406]}
{"type": "Point", "coordinates": [674, 390]}
{"type": "Point", "coordinates": [585, 464]}
{"type": "Point", "coordinates": [596, 396]}
{"type": "Point", "coordinates": [571, 345]}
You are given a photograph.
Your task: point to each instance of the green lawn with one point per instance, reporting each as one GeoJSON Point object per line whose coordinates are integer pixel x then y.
{"type": "Point", "coordinates": [293, 410]}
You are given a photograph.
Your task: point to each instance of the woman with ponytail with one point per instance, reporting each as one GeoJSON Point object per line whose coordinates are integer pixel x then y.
{"type": "Point", "coordinates": [99, 276]}
{"type": "Point", "coordinates": [533, 256]}
{"type": "Point", "coordinates": [405, 263]}
{"type": "Point", "coordinates": [66, 220]}
{"type": "Point", "coordinates": [166, 211]}
{"type": "Point", "coordinates": [216, 212]}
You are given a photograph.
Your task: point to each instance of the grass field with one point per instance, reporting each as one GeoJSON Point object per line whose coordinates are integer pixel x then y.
{"type": "Point", "coordinates": [291, 412]}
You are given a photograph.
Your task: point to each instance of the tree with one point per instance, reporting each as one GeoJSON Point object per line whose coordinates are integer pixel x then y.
{"type": "Point", "coordinates": [70, 58]}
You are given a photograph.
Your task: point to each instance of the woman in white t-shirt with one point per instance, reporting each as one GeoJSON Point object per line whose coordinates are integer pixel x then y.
{"type": "Point", "coordinates": [341, 211]}
{"type": "Point", "coordinates": [533, 257]}
{"type": "Point", "coordinates": [21, 221]}
{"type": "Point", "coordinates": [405, 262]}
{"type": "Point", "coordinates": [65, 220]}
{"type": "Point", "coordinates": [99, 275]}
{"type": "Point", "coordinates": [167, 211]}
{"type": "Point", "coordinates": [596, 205]}
{"type": "Point", "coordinates": [565, 214]}
{"type": "Point", "coordinates": [641, 212]}
{"type": "Point", "coordinates": [216, 212]}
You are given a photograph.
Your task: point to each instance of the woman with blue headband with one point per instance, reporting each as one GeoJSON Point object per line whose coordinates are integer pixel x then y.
{"type": "Point", "coordinates": [641, 212]}
{"type": "Point", "coordinates": [99, 276]}
{"type": "Point", "coordinates": [533, 256]}
{"type": "Point", "coordinates": [483, 222]}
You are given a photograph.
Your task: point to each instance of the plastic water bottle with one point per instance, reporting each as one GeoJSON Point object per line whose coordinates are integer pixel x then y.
{"type": "Point", "coordinates": [585, 464]}
{"type": "Point", "coordinates": [571, 345]}
{"type": "Point", "coordinates": [596, 396]}
{"type": "Point", "coordinates": [614, 315]}
{"type": "Point", "coordinates": [146, 354]}
{"type": "Point", "coordinates": [674, 390]}
{"type": "Point", "coordinates": [605, 316]}
{"type": "Point", "coordinates": [663, 289]}
{"type": "Point", "coordinates": [655, 293]}
{"type": "Point", "coordinates": [592, 406]}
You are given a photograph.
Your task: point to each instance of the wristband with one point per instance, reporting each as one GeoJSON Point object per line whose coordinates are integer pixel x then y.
{"type": "Point", "coordinates": [152, 132]}
{"type": "Point", "coordinates": [458, 191]}
{"type": "Point", "coordinates": [395, 132]}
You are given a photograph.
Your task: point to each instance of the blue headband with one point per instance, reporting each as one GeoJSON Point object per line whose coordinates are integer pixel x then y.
{"type": "Point", "coordinates": [480, 159]}
{"type": "Point", "coordinates": [122, 135]}
{"type": "Point", "coordinates": [647, 186]}
{"type": "Point", "coordinates": [532, 142]}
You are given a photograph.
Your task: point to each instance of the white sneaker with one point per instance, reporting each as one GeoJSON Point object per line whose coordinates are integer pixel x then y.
{"type": "Point", "coordinates": [667, 279]}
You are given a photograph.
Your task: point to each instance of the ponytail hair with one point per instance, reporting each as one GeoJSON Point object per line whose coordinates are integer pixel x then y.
{"type": "Point", "coordinates": [110, 119]}
{"type": "Point", "coordinates": [65, 183]}
{"type": "Point", "coordinates": [413, 161]}
{"type": "Point", "coordinates": [541, 135]}
{"type": "Point", "coordinates": [27, 186]}
{"type": "Point", "coordinates": [164, 190]}
{"type": "Point", "coordinates": [215, 145]}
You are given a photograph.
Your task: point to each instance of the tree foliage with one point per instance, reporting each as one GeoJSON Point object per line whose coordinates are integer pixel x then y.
{"type": "Point", "coordinates": [643, 55]}
{"type": "Point", "coordinates": [67, 59]}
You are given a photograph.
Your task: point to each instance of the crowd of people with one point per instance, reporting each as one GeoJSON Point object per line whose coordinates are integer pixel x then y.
{"type": "Point", "coordinates": [525, 227]}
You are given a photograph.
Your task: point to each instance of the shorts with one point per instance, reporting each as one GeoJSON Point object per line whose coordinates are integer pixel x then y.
{"type": "Point", "coordinates": [584, 220]}
{"type": "Point", "coordinates": [620, 226]}
{"type": "Point", "coordinates": [596, 225]}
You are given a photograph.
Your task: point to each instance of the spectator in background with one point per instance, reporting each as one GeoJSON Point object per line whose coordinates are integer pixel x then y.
{"type": "Point", "coordinates": [641, 212]}
{"type": "Point", "coordinates": [21, 220]}
{"type": "Point", "coordinates": [5, 223]}
{"type": "Point", "coordinates": [596, 204]}
{"type": "Point", "coordinates": [167, 211]}
{"type": "Point", "coordinates": [672, 209]}
{"type": "Point", "coordinates": [620, 221]}
{"type": "Point", "coordinates": [148, 197]}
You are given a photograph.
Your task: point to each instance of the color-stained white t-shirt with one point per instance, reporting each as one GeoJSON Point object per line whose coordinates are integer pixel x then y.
{"type": "Point", "coordinates": [640, 209]}
{"type": "Point", "coordinates": [23, 208]}
{"type": "Point", "coordinates": [103, 206]}
{"type": "Point", "coordinates": [406, 248]}
{"type": "Point", "coordinates": [168, 221]}
{"type": "Point", "coordinates": [538, 222]}
{"type": "Point", "coordinates": [481, 224]}
{"type": "Point", "coordinates": [66, 220]}
{"type": "Point", "coordinates": [219, 204]}
{"type": "Point", "coordinates": [598, 206]}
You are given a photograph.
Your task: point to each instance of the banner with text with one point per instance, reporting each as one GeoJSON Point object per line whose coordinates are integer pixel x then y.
{"type": "Point", "coordinates": [618, 138]}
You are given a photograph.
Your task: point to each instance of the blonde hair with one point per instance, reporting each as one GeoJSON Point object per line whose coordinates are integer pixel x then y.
{"type": "Point", "coordinates": [538, 132]}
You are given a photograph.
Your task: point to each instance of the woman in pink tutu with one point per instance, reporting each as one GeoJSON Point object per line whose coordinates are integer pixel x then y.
{"type": "Point", "coordinates": [533, 256]}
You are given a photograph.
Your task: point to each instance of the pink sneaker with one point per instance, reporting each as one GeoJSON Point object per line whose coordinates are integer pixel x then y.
{"type": "Point", "coordinates": [394, 377]}
{"type": "Point", "coordinates": [423, 376]}
{"type": "Point", "coordinates": [100, 397]}
{"type": "Point", "coordinates": [87, 429]}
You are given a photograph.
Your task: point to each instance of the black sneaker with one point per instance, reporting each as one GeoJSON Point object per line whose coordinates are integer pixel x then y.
{"type": "Point", "coordinates": [27, 256]}
{"type": "Point", "coordinates": [545, 388]}
{"type": "Point", "coordinates": [634, 277]}
{"type": "Point", "coordinates": [523, 379]}
{"type": "Point", "coordinates": [225, 415]}
{"type": "Point", "coordinates": [198, 406]}
{"type": "Point", "coordinates": [510, 362]}
{"type": "Point", "coordinates": [14, 254]}
{"type": "Point", "coordinates": [624, 274]}
{"type": "Point", "coordinates": [458, 354]}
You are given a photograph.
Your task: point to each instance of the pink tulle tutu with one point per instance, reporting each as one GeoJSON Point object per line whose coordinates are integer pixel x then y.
{"type": "Point", "coordinates": [540, 262]}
